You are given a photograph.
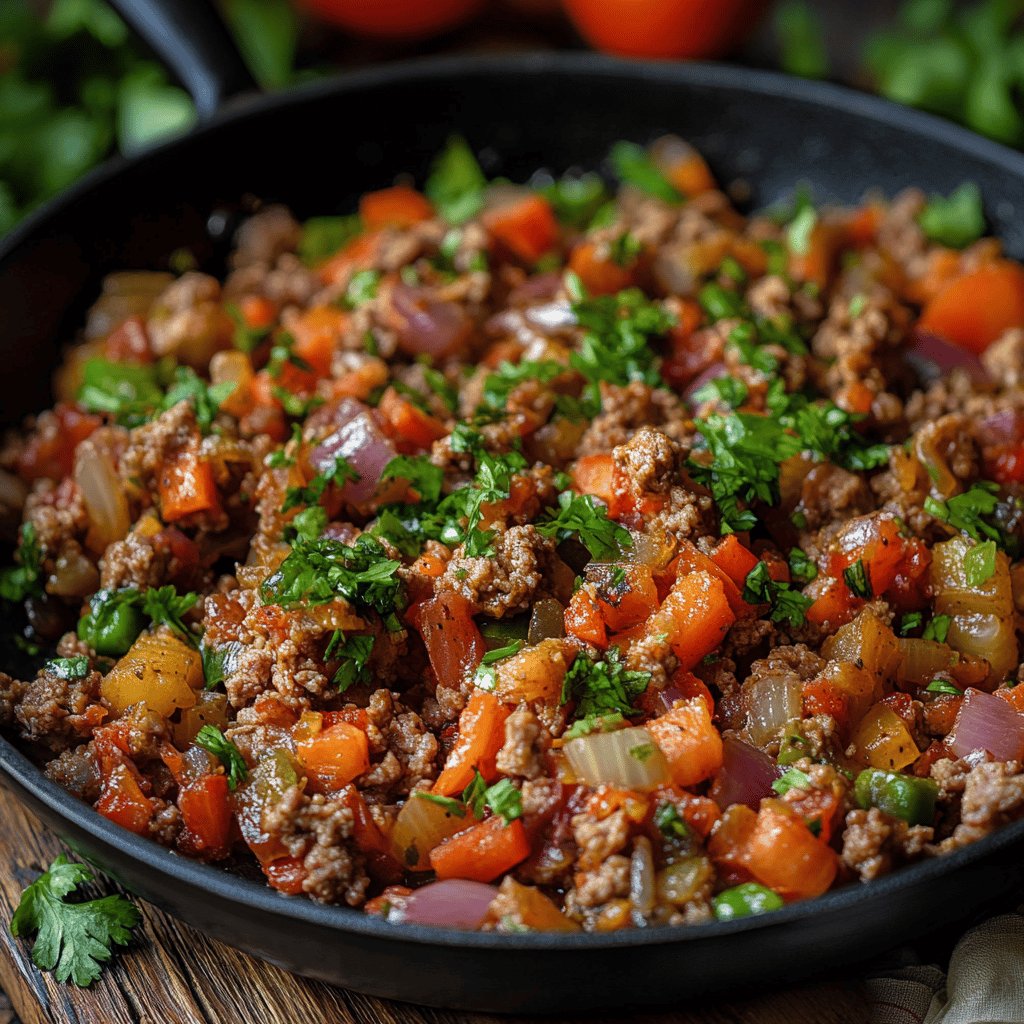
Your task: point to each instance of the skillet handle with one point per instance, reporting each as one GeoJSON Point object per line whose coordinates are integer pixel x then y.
{"type": "Point", "coordinates": [193, 43]}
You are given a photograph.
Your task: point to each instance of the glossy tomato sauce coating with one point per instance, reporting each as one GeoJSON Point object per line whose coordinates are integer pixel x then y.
{"type": "Point", "coordinates": [555, 557]}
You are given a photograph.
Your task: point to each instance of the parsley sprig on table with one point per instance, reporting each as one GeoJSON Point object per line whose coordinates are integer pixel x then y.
{"type": "Point", "coordinates": [74, 940]}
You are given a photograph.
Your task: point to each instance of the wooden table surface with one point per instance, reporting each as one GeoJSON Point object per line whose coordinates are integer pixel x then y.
{"type": "Point", "coordinates": [174, 975]}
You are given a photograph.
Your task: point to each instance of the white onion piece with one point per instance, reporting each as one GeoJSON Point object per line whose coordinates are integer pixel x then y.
{"type": "Point", "coordinates": [641, 877]}
{"type": "Point", "coordinates": [627, 758]}
{"type": "Point", "coordinates": [552, 316]}
{"type": "Point", "coordinates": [422, 825]}
{"type": "Point", "coordinates": [426, 325]}
{"type": "Point", "coordinates": [955, 596]}
{"type": "Point", "coordinates": [368, 451]}
{"type": "Point", "coordinates": [934, 357]}
{"type": "Point", "coordinates": [106, 504]}
{"type": "Point", "coordinates": [452, 903]}
{"type": "Point", "coordinates": [746, 775]}
{"type": "Point", "coordinates": [991, 637]}
{"type": "Point", "coordinates": [772, 701]}
{"type": "Point", "coordinates": [986, 722]}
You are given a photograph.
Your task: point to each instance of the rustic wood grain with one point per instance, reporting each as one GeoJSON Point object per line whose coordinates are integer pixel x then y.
{"type": "Point", "coordinates": [173, 975]}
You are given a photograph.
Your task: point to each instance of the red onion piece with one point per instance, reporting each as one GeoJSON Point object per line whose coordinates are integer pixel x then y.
{"type": "Point", "coordinates": [452, 903]}
{"type": "Point", "coordinates": [360, 440]}
{"type": "Point", "coordinates": [935, 357]}
{"type": "Point", "coordinates": [714, 371]}
{"type": "Point", "coordinates": [666, 699]}
{"type": "Point", "coordinates": [1001, 428]}
{"type": "Point", "coordinates": [745, 777]}
{"type": "Point", "coordinates": [426, 325]}
{"type": "Point", "coordinates": [539, 288]}
{"type": "Point", "coordinates": [987, 722]}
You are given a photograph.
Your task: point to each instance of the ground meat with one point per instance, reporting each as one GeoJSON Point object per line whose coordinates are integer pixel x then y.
{"type": "Point", "coordinates": [57, 513]}
{"type": "Point", "coordinates": [624, 410]}
{"type": "Point", "coordinates": [798, 660]}
{"type": "Point", "coordinates": [609, 881]}
{"type": "Point", "coordinates": [507, 581]}
{"type": "Point", "coordinates": [649, 459]}
{"type": "Point", "coordinates": [263, 237]}
{"type": "Point", "coordinates": [317, 829]}
{"type": "Point", "coordinates": [829, 492]}
{"type": "Point", "coordinates": [11, 693]}
{"type": "Point", "coordinates": [993, 794]}
{"type": "Point", "coordinates": [53, 711]}
{"type": "Point", "coordinates": [874, 842]}
{"type": "Point", "coordinates": [598, 838]}
{"type": "Point", "coordinates": [1004, 358]}
{"type": "Point", "coordinates": [166, 822]}
{"type": "Point", "coordinates": [410, 750]}
{"type": "Point", "coordinates": [150, 445]}
{"type": "Point", "coordinates": [187, 320]}
{"type": "Point", "coordinates": [133, 562]}
{"type": "Point", "coordinates": [526, 741]}
{"type": "Point", "coordinates": [689, 514]}
{"type": "Point", "coordinates": [746, 635]}
{"type": "Point", "coordinates": [77, 771]}
{"type": "Point", "coordinates": [652, 653]}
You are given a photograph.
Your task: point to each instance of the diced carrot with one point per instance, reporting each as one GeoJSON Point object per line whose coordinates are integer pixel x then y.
{"type": "Point", "coordinates": [691, 744]}
{"type": "Point", "coordinates": [527, 227]}
{"type": "Point", "coordinates": [257, 310]}
{"type": "Point", "coordinates": [695, 615]}
{"type": "Point", "coordinates": [600, 274]}
{"type": "Point", "coordinates": [690, 686]}
{"type": "Point", "coordinates": [863, 225]}
{"type": "Point", "coordinates": [186, 486]}
{"type": "Point", "coordinates": [129, 342]}
{"type": "Point", "coordinates": [736, 560]}
{"type": "Point", "coordinates": [750, 256]}
{"type": "Point", "coordinates": [941, 269]}
{"type": "Point", "coordinates": [596, 475]}
{"type": "Point", "coordinates": [429, 565]}
{"type": "Point", "coordinates": [481, 735]}
{"type": "Point", "coordinates": [691, 559]}
{"type": "Point", "coordinates": [359, 254]}
{"type": "Point", "coordinates": [626, 596]}
{"type": "Point", "coordinates": [816, 264]}
{"type": "Point", "coordinates": [835, 605]}
{"type": "Point", "coordinates": [584, 620]}
{"type": "Point", "coordinates": [409, 423]}
{"type": "Point", "coordinates": [820, 697]}
{"type": "Point", "coordinates": [482, 852]}
{"type": "Point", "coordinates": [785, 855]}
{"type": "Point", "coordinates": [286, 874]}
{"type": "Point", "coordinates": [453, 641]}
{"type": "Point", "coordinates": [317, 333]}
{"type": "Point", "coordinates": [335, 756]}
{"type": "Point", "coordinates": [206, 813]}
{"type": "Point", "coordinates": [977, 308]}
{"type": "Point", "coordinates": [123, 802]}
{"type": "Point", "coordinates": [691, 175]}
{"type": "Point", "coordinates": [395, 207]}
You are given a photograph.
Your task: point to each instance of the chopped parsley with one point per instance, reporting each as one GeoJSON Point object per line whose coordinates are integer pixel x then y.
{"type": "Point", "coordinates": [211, 739]}
{"type": "Point", "coordinates": [802, 568]}
{"type": "Point", "coordinates": [69, 668]}
{"type": "Point", "coordinates": [787, 605]}
{"type": "Point", "coordinates": [354, 654]}
{"type": "Point", "coordinates": [362, 288]}
{"type": "Point", "coordinates": [942, 686]}
{"type": "Point", "coordinates": [968, 511]}
{"type": "Point", "coordinates": [503, 798]}
{"type": "Point", "coordinates": [602, 690]}
{"type": "Point", "coordinates": [643, 752]}
{"type": "Point", "coordinates": [937, 628]}
{"type": "Point", "coordinates": [456, 183]}
{"type": "Point", "coordinates": [632, 165]}
{"type": "Point", "coordinates": [206, 398]}
{"type": "Point", "coordinates": [624, 249]}
{"type": "Point", "coordinates": [980, 563]}
{"type": "Point", "coordinates": [909, 622]}
{"type": "Point", "coordinates": [320, 569]}
{"type": "Point", "coordinates": [858, 580]}
{"type": "Point", "coordinates": [792, 779]}
{"type": "Point", "coordinates": [337, 473]}
{"type": "Point", "coordinates": [583, 516]}
{"type": "Point", "coordinates": [669, 823]}
{"type": "Point", "coordinates": [165, 607]}
{"type": "Point", "coordinates": [955, 220]}
{"type": "Point", "coordinates": [801, 227]}
{"type": "Point", "coordinates": [721, 303]}
{"type": "Point", "coordinates": [508, 376]}
{"type": "Point", "coordinates": [576, 200]}
{"type": "Point", "coordinates": [419, 472]}
{"type": "Point", "coordinates": [324, 236]}
{"type": "Point", "coordinates": [23, 580]}
{"type": "Point", "coordinates": [74, 940]}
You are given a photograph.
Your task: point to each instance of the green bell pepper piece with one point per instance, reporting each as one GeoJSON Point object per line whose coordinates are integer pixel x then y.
{"type": "Point", "coordinates": [902, 796]}
{"type": "Point", "coordinates": [113, 622]}
{"type": "Point", "coordinates": [745, 900]}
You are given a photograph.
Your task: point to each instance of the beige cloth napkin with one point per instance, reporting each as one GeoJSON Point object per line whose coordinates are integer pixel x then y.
{"type": "Point", "coordinates": [984, 985]}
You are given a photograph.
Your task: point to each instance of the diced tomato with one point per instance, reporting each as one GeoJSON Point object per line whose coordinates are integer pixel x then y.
{"type": "Point", "coordinates": [976, 308]}
{"type": "Point", "coordinates": [626, 595]}
{"type": "Point", "coordinates": [481, 735]}
{"type": "Point", "coordinates": [50, 450]}
{"type": "Point", "coordinates": [286, 874]}
{"type": "Point", "coordinates": [317, 333]}
{"type": "Point", "coordinates": [1007, 466]}
{"type": "Point", "coordinates": [128, 342]}
{"type": "Point", "coordinates": [206, 814]}
{"type": "Point", "coordinates": [123, 802]}
{"type": "Point", "coordinates": [453, 640]}
{"type": "Point", "coordinates": [820, 697]}
{"type": "Point", "coordinates": [690, 742]}
{"type": "Point", "coordinates": [734, 559]}
{"type": "Point", "coordinates": [584, 619]}
{"type": "Point", "coordinates": [483, 852]}
{"type": "Point", "coordinates": [695, 616]}
{"type": "Point", "coordinates": [186, 486]}
{"type": "Point", "coordinates": [395, 207]}
{"type": "Point", "coordinates": [527, 227]}
{"type": "Point", "coordinates": [335, 756]}
{"type": "Point", "coordinates": [835, 605]}
{"type": "Point", "coordinates": [407, 423]}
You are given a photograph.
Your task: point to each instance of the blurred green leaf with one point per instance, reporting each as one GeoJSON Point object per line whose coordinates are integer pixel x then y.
{"type": "Point", "coordinates": [67, 17]}
{"type": "Point", "coordinates": [930, 74]}
{"type": "Point", "coordinates": [150, 110]}
{"type": "Point", "coordinates": [801, 39]}
{"type": "Point", "coordinates": [925, 16]}
{"type": "Point", "coordinates": [267, 32]}
{"type": "Point", "coordinates": [955, 220]}
{"type": "Point", "coordinates": [66, 146]}
{"type": "Point", "coordinates": [989, 107]}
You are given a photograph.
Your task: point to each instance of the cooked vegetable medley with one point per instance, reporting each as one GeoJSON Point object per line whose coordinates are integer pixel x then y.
{"type": "Point", "coordinates": [540, 557]}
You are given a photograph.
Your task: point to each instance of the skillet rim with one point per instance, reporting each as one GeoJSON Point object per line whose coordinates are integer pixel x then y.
{"type": "Point", "coordinates": [25, 777]}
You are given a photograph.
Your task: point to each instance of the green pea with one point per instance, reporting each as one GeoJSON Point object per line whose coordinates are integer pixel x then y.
{"type": "Point", "coordinates": [745, 900]}
{"type": "Point", "coordinates": [113, 622]}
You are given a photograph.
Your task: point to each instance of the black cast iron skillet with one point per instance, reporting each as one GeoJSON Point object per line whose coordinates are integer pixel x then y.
{"type": "Point", "coordinates": [317, 148]}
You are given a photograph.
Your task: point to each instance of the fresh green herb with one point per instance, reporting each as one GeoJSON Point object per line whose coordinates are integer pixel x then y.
{"type": "Point", "coordinates": [643, 752]}
{"type": "Point", "coordinates": [980, 563]}
{"type": "Point", "coordinates": [165, 607]}
{"type": "Point", "coordinates": [721, 303]}
{"type": "Point", "coordinates": [456, 183]}
{"type": "Point", "coordinates": [798, 234]}
{"type": "Point", "coordinates": [801, 38]}
{"type": "Point", "coordinates": [602, 688]}
{"type": "Point", "coordinates": [362, 288]}
{"type": "Point", "coordinates": [792, 779]}
{"type": "Point", "coordinates": [504, 799]}
{"type": "Point", "coordinates": [508, 376]}
{"type": "Point", "coordinates": [802, 568]}
{"type": "Point", "coordinates": [354, 653]}
{"type": "Point", "coordinates": [246, 337]}
{"type": "Point", "coordinates": [669, 823]}
{"type": "Point", "coordinates": [576, 200]}
{"type": "Point", "coordinates": [857, 305]}
{"type": "Point", "coordinates": [69, 668]}
{"type": "Point", "coordinates": [937, 628]}
{"type": "Point", "coordinates": [419, 472]}
{"type": "Point", "coordinates": [337, 473]}
{"type": "Point", "coordinates": [23, 580]}
{"type": "Point", "coordinates": [584, 517]}
{"type": "Point", "coordinates": [216, 663]}
{"type": "Point", "coordinates": [633, 166]}
{"type": "Point", "coordinates": [73, 940]}
{"type": "Point", "coordinates": [733, 270]}
{"type": "Point", "coordinates": [909, 622]}
{"type": "Point", "coordinates": [210, 738]}
{"type": "Point", "coordinates": [624, 249]}
{"type": "Point", "coordinates": [454, 807]}
{"type": "Point", "coordinates": [957, 220]}
{"type": "Point", "coordinates": [787, 605]}
{"type": "Point", "coordinates": [206, 398]}
{"type": "Point", "coordinates": [128, 392]}
{"type": "Point", "coordinates": [324, 236]}
{"type": "Point", "coordinates": [858, 580]}
{"type": "Point", "coordinates": [943, 686]}
{"type": "Point", "coordinates": [968, 511]}
{"type": "Point", "coordinates": [729, 390]}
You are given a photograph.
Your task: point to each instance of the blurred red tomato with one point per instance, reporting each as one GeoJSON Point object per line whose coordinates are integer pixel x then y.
{"type": "Point", "coordinates": [394, 19]}
{"type": "Point", "coordinates": [664, 28]}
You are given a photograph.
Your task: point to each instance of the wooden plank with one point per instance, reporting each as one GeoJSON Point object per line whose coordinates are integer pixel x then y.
{"type": "Point", "coordinates": [174, 975]}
